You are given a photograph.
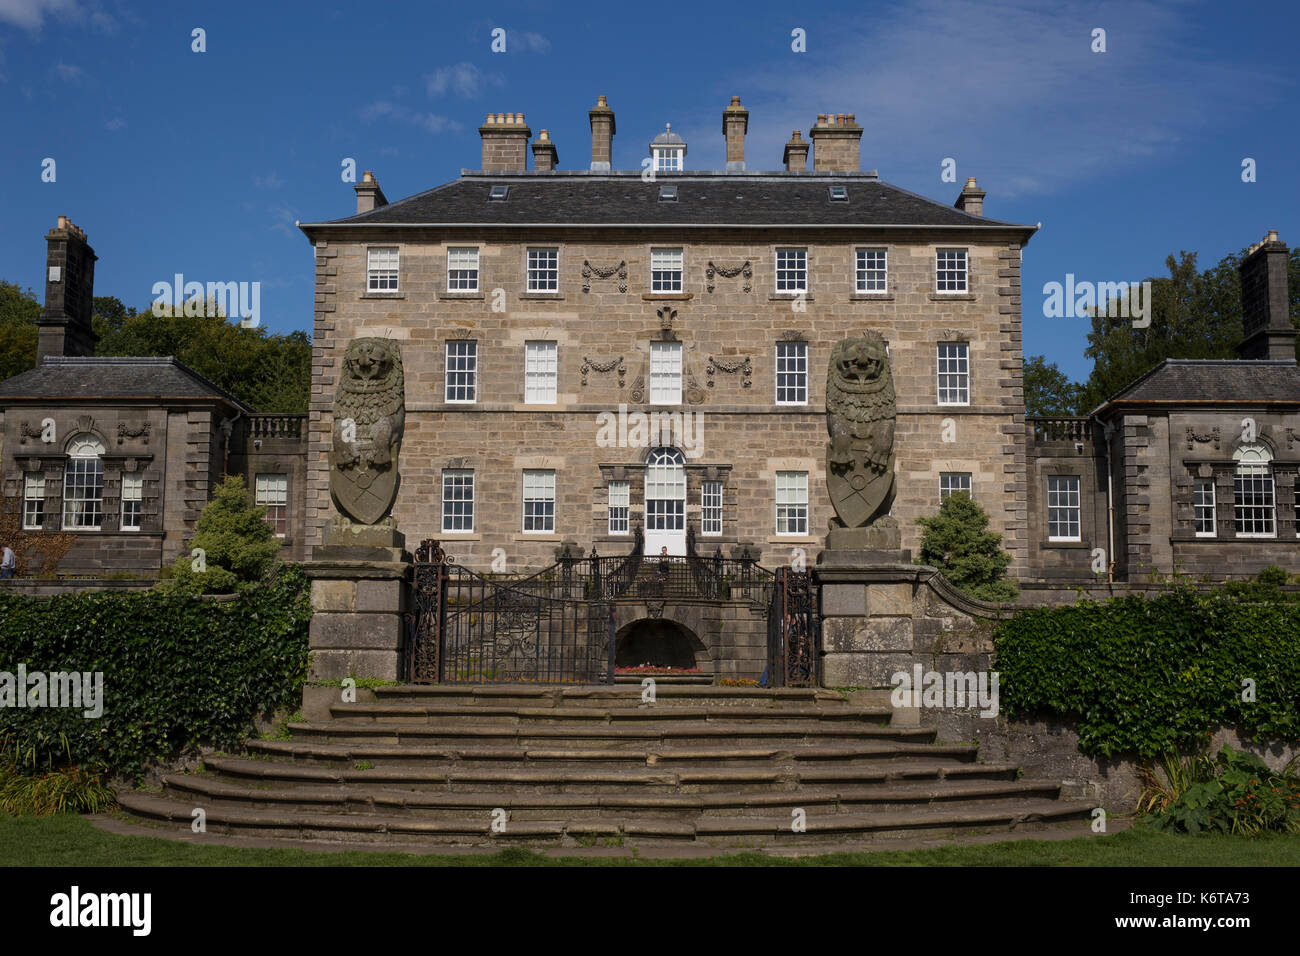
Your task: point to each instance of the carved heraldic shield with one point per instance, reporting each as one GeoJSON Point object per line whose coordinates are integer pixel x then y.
{"type": "Point", "coordinates": [860, 415]}
{"type": "Point", "coordinates": [369, 414]}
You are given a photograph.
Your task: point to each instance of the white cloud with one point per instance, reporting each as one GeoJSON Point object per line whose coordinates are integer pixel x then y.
{"type": "Point", "coordinates": [527, 42]}
{"type": "Point", "coordinates": [30, 14]}
{"type": "Point", "coordinates": [68, 72]}
{"type": "Point", "coordinates": [464, 79]}
{"type": "Point", "coordinates": [115, 124]}
{"type": "Point", "coordinates": [1010, 90]}
{"type": "Point", "coordinates": [268, 182]}
{"type": "Point", "coordinates": [430, 122]}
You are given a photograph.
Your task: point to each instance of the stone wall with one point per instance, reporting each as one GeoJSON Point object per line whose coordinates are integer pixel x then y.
{"type": "Point", "coordinates": [746, 438]}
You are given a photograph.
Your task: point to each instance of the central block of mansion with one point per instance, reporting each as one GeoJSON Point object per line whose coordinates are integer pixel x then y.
{"type": "Point", "coordinates": [589, 351]}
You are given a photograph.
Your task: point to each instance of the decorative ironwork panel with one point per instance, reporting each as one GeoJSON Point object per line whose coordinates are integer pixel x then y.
{"type": "Point", "coordinates": [793, 631]}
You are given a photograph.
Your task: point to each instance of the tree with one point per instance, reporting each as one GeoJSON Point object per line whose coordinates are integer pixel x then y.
{"type": "Point", "coordinates": [1048, 392]}
{"type": "Point", "coordinates": [271, 373]}
{"type": "Point", "coordinates": [958, 542]}
{"type": "Point", "coordinates": [19, 311]}
{"type": "Point", "coordinates": [235, 546]}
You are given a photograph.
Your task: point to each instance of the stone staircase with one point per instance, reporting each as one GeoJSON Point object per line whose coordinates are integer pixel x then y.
{"type": "Point", "coordinates": [567, 766]}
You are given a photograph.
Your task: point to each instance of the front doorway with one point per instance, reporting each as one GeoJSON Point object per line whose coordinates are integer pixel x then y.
{"type": "Point", "coordinates": [665, 502]}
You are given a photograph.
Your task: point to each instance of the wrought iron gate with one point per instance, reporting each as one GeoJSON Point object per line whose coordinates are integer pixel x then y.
{"type": "Point", "coordinates": [793, 631]}
{"type": "Point", "coordinates": [545, 628]}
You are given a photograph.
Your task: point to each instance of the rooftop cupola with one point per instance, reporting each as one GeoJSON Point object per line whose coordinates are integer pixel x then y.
{"type": "Point", "coordinates": [668, 150]}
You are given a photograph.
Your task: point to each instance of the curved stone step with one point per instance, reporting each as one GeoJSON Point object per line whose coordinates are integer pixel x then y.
{"type": "Point", "coordinates": [378, 829]}
{"type": "Point", "coordinates": [642, 713]}
{"type": "Point", "coordinates": [391, 756]}
{"type": "Point", "coordinates": [666, 693]}
{"type": "Point", "coordinates": [206, 790]}
{"type": "Point", "coordinates": [559, 779]}
{"type": "Point", "coordinates": [598, 735]}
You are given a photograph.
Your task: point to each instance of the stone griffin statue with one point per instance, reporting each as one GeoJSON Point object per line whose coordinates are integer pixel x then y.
{"type": "Point", "coordinates": [860, 415]}
{"type": "Point", "coordinates": [369, 414]}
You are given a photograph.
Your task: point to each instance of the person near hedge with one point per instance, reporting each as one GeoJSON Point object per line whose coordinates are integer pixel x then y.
{"type": "Point", "coordinates": [8, 563]}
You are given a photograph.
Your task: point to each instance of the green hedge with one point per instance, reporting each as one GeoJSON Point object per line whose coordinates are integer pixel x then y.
{"type": "Point", "coordinates": [1154, 676]}
{"type": "Point", "coordinates": [178, 671]}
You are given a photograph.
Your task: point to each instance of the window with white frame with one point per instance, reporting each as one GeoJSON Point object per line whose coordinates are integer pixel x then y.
{"type": "Point", "coordinates": [711, 507]}
{"type": "Point", "coordinates": [953, 362]}
{"type": "Point", "coordinates": [83, 484]}
{"type": "Point", "coordinates": [457, 500]}
{"type": "Point", "coordinates": [272, 492]}
{"type": "Point", "coordinates": [665, 373]}
{"type": "Point", "coordinates": [668, 159]}
{"type": "Point", "coordinates": [381, 269]}
{"type": "Point", "coordinates": [873, 270]}
{"type": "Point", "coordinates": [950, 271]}
{"type": "Point", "coordinates": [1254, 507]}
{"type": "Point", "coordinates": [132, 502]}
{"type": "Point", "coordinates": [951, 482]}
{"type": "Point", "coordinates": [792, 270]}
{"type": "Point", "coordinates": [665, 490]}
{"type": "Point", "coordinates": [1203, 508]}
{"type": "Point", "coordinates": [539, 500]}
{"type": "Point", "coordinates": [1063, 508]}
{"type": "Point", "coordinates": [462, 269]}
{"type": "Point", "coordinates": [792, 373]}
{"type": "Point", "coordinates": [620, 503]}
{"type": "Point", "coordinates": [666, 270]}
{"type": "Point", "coordinates": [462, 371]}
{"type": "Point", "coordinates": [543, 270]}
{"type": "Point", "coordinates": [33, 501]}
{"type": "Point", "coordinates": [541, 372]}
{"type": "Point", "coordinates": [792, 502]}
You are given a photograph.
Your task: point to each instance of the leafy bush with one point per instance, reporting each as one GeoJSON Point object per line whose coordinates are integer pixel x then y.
{"type": "Point", "coordinates": [238, 545]}
{"type": "Point", "coordinates": [958, 542]}
{"type": "Point", "coordinates": [41, 793]}
{"type": "Point", "coordinates": [1155, 676]}
{"type": "Point", "coordinates": [179, 671]}
{"type": "Point", "coordinates": [1236, 793]}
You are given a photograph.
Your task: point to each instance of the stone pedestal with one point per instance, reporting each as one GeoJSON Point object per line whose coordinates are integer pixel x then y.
{"type": "Point", "coordinates": [867, 612]}
{"type": "Point", "coordinates": [359, 592]}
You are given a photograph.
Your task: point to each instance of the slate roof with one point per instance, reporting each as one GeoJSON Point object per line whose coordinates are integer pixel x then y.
{"type": "Point", "coordinates": [1205, 381]}
{"type": "Point", "coordinates": [743, 199]}
{"type": "Point", "coordinates": [89, 377]}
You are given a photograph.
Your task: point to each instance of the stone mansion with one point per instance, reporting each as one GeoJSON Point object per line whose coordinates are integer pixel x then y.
{"type": "Point", "coordinates": [592, 351]}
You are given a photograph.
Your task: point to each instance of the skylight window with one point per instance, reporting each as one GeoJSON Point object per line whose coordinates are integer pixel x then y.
{"type": "Point", "coordinates": [668, 194]}
{"type": "Point", "coordinates": [498, 193]}
{"type": "Point", "coordinates": [838, 193]}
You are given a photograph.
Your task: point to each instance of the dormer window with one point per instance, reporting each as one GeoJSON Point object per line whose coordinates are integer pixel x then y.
{"type": "Point", "coordinates": [668, 151]}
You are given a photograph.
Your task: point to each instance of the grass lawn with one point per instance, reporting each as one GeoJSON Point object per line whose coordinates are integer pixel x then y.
{"type": "Point", "coordinates": [71, 840]}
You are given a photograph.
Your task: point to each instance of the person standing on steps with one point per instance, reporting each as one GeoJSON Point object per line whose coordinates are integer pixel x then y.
{"type": "Point", "coordinates": [8, 563]}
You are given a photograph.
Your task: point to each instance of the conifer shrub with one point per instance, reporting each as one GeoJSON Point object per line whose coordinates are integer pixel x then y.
{"type": "Point", "coordinates": [959, 543]}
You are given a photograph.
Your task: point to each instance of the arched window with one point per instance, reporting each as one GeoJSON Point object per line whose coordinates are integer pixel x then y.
{"type": "Point", "coordinates": [1254, 505]}
{"type": "Point", "coordinates": [83, 484]}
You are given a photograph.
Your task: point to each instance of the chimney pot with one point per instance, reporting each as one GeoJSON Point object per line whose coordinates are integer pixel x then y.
{"type": "Point", "coordinates": [836, 143]}
{"type": "Point", "coordinates": [64, 324]}
{"type": "Point", "coordinates": [971, 198]}
{"type": "Point", "coordinates": [603, 129]}
{"type": "Point", "coordinates": [735, 123]}
{"type": "Point", "coordinates": [505, 143]}
{"type": "Point", "coordinates": [369, 195]}
{"type": "Point", "coordinates": [796, 154]}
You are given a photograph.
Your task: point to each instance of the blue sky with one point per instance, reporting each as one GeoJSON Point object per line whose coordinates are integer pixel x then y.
{"type": "Point", "coordinates": [175, 161]}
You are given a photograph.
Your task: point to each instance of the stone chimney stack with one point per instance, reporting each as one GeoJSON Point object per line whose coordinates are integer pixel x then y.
{"type": "Point", "coordinates": [796, 154]}
{"type": "Point", "coordinates": [602, 135]}
{"type": "Point", "coordinates": [971, 199]}
{"type": "Point", "coordinates": [64, 325]}
{"type": "Point", "coordinates": [369, 195]}
{"type": "Point", "coordinates": [1265, 305]}
{"type": "Point", "coordinates": [505, 143]}
{"type": "Point", "coordinates": [545, 155]}
{"type": "Point", "coordinates": [836, 141]}
{"type": "Point", "coordinates": [735, 123]}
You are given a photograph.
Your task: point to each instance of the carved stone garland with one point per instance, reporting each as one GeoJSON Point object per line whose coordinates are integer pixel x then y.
{"type": "Point", "coordinates": [1193, 436]}
{"type": "Point", "coordinates": [744, 269]}
{"type": "Point", "coordinates": [142, 432]}
{"type": "Point", "coordinates": [591, 365]}
{"type": "Point", "coordinates": [588, 270]}
{"type": "Point", "coordinates": [742, 365]}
